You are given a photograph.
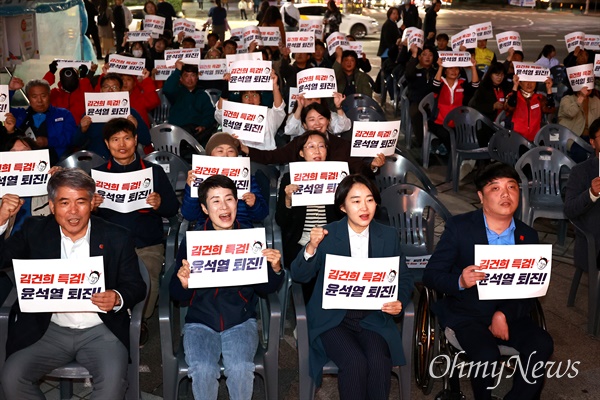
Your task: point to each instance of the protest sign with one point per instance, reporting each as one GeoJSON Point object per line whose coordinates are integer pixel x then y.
{"type": "Point", "coordinates": [317, 181]}
{"type": "Point", "coordinates": [506, 40]}
{"type": "Point", "coordinates": [417, 37]}
{"type": "Point", "coordinates": [597, 65]}
{"type": "Point", "coordinates": [530, 72]}
{"type": "Point", "coordinates": [270, 35]}
{"type": "Point", "coordinates": [312, 25]}
{"type": "Point", "coordinates": [466, 37]}
{"type": "Point", "coordinates": [254, 76]}
{"type": "Point", "coordinates": [417, 262]}
{"type": "Point", "coordinates": [573, 40]}
{"type": "Point", "coordinates": [138, 36]}
{"type": "Point", "coordinates": [483, 30]}
{"type": "Point", "coordinates": [300, 42]}
{"type": "Point", "coordinates": [4, 102]}
{"type": "Point", "coordinates": [183, 25]}
{"type": "Point", "coordinates": [251, 34]}
{"type": "Point", "coordinates": [353, 283]}
{"type": "Point", "coordinates": [455, 59]}
{"type": "Point", "coordinates": [231, 58]}
{"type": "Point", "coordinates": [102, 107]}
{"type": "Point", "coordinates": [126, 65]}
{"type": "Point", "coordinates": [407, 32]}
{"type": "Point", "coordinates": [369, 138]}
{"type": "Point", "coordinates": [293, 98]}
{"type": "Point", "coordinates": [76, 64]}
{"type": "Point", "coordinates": [58, 285]}
{"type": "Point", "coordinates": [212, 70]}
{"type": "Point", "coordinates": [187, 56]}
{"type": "Point", "coordinates": [24, 173]}
{"type": "Point", "coordinates": [336, 40]}
{"type": "Point", "coordinates": [581, 76]}
{"type": "Point", "coordinates": [316, 82]}
{"type": "Point", "coordinates": [21, 37]}
{"type": "Point", "coordinates": [226, 258]}
{"type": "Point", "coordinates": [236, 168]}
{"type": "Point", "coordinates": [199, 37]}
{"type": "Point", "coordinates": [162, 70]}
{"type": "Point", "coordinates": [154, 24]}
{"type": "Point", "coordinates": [357, 47]}
{"type": "Point", "coordinates": [247, 121]}
{"type": "Point", "coordinates": [513, 272]}
{"type": "Point", "coordinates": [592, 42]}
{"type": "Point", "coordinates": [237, 34]}
{"type": "Point", "coordinates": [124, 192]}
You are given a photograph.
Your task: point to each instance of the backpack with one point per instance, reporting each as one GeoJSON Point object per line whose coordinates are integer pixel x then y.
{"type": "Point", "coordinates": [289, 20]}
{"type": "Point", "coordinates": [103, 19]}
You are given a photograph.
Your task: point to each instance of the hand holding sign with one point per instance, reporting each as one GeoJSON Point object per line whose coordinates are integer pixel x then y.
{"type": "Point", "coordinates": [392, 308]}
{"type": "Point", "coordinates": [470, 275]}
{"type": "Point", "coordinates": [273, 256]}
{"type": "Point", "coordinates": [184, 273]}
{"type": "Point", "coordinates": [11, 204]}
{"type": "Point", "coordinates": [317, 234]}
{"type": "Point", "coordinates": [106, 301]}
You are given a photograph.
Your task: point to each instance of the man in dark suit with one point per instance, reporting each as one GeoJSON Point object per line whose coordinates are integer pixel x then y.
{"type": "Point", "coordinates": [581, 200]}
{"type": "Point", "coordinates": [480, 326]}
{"type": "Point", "coordinates": [39, 342]}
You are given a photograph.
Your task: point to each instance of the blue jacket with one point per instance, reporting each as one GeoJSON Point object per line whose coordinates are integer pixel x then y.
{"type": "Point", "coordinates": [146, 225]}
{"type": "Point", "coordinates": [383, 242]}
{"type": "Point", "coordinates": [60, 127]}
{"type": "Point", "coordinates": [191, 210]}
{"type": "Point", "coordinates": [223, 307]}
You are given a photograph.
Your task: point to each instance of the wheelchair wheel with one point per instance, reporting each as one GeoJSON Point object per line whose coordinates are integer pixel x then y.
{"type": "Point", "coordinates": [427, 340]}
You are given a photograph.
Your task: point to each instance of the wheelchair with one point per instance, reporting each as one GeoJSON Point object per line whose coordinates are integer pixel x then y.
{"type": "Point", "coordinates": [431, 341]}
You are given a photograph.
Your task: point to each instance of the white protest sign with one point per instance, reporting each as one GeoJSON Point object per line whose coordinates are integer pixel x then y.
{"type": "Point", "coordinates": [231, 58]}
{"type": "Point", "coordinates": [506, 40]}
{"type": "Point", "coordinates": [300, 42]}
{"type": "Point", "coordinates": [163, 71]}
{"type": "Point", "coordinates": [270, 35]}
{"type": "Point", "coordinates": [252, 34]}
{"type": "Point", "coordinates": [316, 82]}
{"type": "Point", "coordinates": [236, 168]}
{"type": "Point", "coordinates": [466, 37]}
{"type": "Point", "coordinates": [407, 32]}
{"type": "Point", "coordinates": [353, 283]}
{"type": "Point", "coordinates": [24, 173]}
{"type": "Point", "coordinates": [199, 37]}
{"type": "Point", "coordinates": [183, 25]}
{"type": "Point", "coordinates": [58, 285]}
{"type": "Point", "coordinates": [226, 258]}
{"type": "Point", "coordinates": [257, 76]}
{"type": "Point", "coordinates": [370, 138]}
{"type": "Point", "coordinates": [417, 262]}
{"type": "Point", "coordinates": [60, 64]}
{"type": "Point", "coordinates": [573, 40]}
{"type": "Point", "coordinates": [154, 24]}
{"type": "Point", "coordinates": [187, 56]}
{"type": "Point", "coordinates": [317, 181]}
{"type": "Point", "coordinates": [126, 191]}
{"type": "Point", "coordinates": [592, 42]}
{"type": "Point", "coordinates": [4, 102]}
{"type": "Point", "coordinates": [597, 65]}
{"type": "Point", "coordinates": [138, 36]}
{"type": "Point", "coordinates": [581, 76]}
{"type": "Point", "coordinates": [417, 37]}
{"type": "Point", "coordinates": [292, 99]}
{"type": "Point", "coordinates": [102, 107]}
{"type": "Point", "coordinates": [212, 70]}
{"type": "Point", "coordinates": [530, 72]}
{"type": "Point", "coordinates": [483, 30]}
{"type": "Point", "coordinates": [336, 40]}
{"type": "Point", "coordinates": [455, 58]}
{"type": "Point", "coordinates": [21, 35]}
{"type": "Point", "coordinates": [126, 65]}
{"type": "Point", "coordinates": [357, 47]}
{"type": "Point", "coordinates": [237, 33]}
{"type": "Point", "coordinates": [513, 272]}
{"type": "Point", "coordinates": [247, 121]}
{"type": "Point", "coordinates": [311, 25]}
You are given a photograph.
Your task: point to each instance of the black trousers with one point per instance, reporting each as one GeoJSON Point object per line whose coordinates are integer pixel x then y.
{"type": "Point", "coordinates": [533, 343]}
{"type": "Point", "coordinates": [363, 359]}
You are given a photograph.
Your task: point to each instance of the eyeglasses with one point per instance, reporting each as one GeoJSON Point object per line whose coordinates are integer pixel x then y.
{"type": "Point", "coordinates": [114, 88]}
{"type": "Point", "coordinates": [313, 147]}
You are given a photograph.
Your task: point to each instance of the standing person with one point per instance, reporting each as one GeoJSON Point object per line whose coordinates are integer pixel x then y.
{"type": "Point", "coordinates": [105, 28]}
{"type": "Point", "coordinates": [201, 4]}
{"type": "Point", "coordinates": [121, 18]}
{"type": "Point", "coordinates": [218, 15]}
{"type": "Point", "coordinates": [429, 26]}
{"type": "Point", "coordinates": [242, 7]}
{"type": "Point", "coordinates": [410, 15]}
{"type": "Point", "coordinates": [92, 27]}
{"type": "Point", "coordinates": [262, 9]}
{"type": "Point", "coordinates": [482, 325]}
{"type": "Point", "coordinates": [290, 15]}
{"type": "Point", "coordinates": [166, 9]}
{"type": "Point", "coordinates": [389, 34]}
{"type": "Point", "coordinates": [272, 18]}
{"type": "Point", "coordinates": [333, 17]}
{"type": "Point", "coordinates": [256, 5]}
{"type": "Point", "coordinates": [364, 344]}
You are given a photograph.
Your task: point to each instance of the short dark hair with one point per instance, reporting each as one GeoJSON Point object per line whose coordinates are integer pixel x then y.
{"type": "Point", "coordinates": [318, 107]}
{"type": "Point", "coordinates": [213, 35]}
{"type": "Point", "coordinates": [594, 128]}
{"type": "Point", "coordinates": [215, 181]}
{"type": "Point", "coordinates": [493, 172]}
{"type": "Point", "coordinates": [349, 53]}
{"type": "Point", "coordinates": [189, 39]}
{"type": "Point", "coordinates": [111, 76]}
{"type": "Point", "coordinates": [230, 42]}
{"type": "Point", "coordinates": [519, 52]}
{"type": "Point", "coordinates": [117, 125]}
{"type": "Point", "coordinates": [189, 68]}
{"type": "Point", "coordinates": [391, 10]}
{"type": "Point", "coordinates": [346, 184]}
{"type": "Point", "coordinates": [429, 47]}
{"type": "Point", "coordinates": [74, 178]}
{"type": "Point", "coordinates": [319, 42]}
{"type": "Point", "coordinates": [302, 139]}
{"type": "Point", "coordinates": [12, 139]}
{"type": "Point", "coordinates": [443, 36]}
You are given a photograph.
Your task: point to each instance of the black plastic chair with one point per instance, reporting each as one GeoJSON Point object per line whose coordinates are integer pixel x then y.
{"type": "Point", "coordinates": [561, 138]}
{"type": "Point", "coordinates": [365, 114]}
{"type": "Point", "coordinates": [84, 159]}
{"type": "Point", "coordinates": [508, 146]}
{"type": "Point", "coordinates": [361, 100]}
{"type": "Point", "coordinates": [174, 166]}
{"type": "Point", "coordinates": [396, 169]}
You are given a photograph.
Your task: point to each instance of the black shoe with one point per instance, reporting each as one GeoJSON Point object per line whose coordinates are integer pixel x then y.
{"type": "Point", "coordinates": [144, 334]}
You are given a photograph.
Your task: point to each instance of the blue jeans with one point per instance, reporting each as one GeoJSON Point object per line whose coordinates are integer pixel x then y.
{"type": "Point", "coordinates": [203, 349]}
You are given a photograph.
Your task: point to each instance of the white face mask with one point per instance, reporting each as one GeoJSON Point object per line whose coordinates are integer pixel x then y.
{"type": "Point", "coordinates": [137, 53]}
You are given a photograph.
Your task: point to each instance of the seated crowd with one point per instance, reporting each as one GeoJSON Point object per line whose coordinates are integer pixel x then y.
{"type": "Point", "coordinates": [221, 322]}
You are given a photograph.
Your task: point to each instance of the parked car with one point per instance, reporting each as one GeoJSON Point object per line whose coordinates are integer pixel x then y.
{"type": "Point", "coordinates": [358, 26]}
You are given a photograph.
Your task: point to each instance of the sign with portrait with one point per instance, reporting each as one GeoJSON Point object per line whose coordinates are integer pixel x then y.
{"type": "Point", "coordinates": [236, 168]}
{"type": "Point", "coordinates": [187, 56]}
{"type": "Point", "coordinates": [76, 64]}
{"type": "Point", "coordinates": [124, 192]}
{"type": "Point", "coordinates": [530, 72]}
{"type": "Point", "coordinates": [369, 138]}
{"type": "Point", "coordinates": [312, 25]}
{"type": "Point", "coordinates": [138, 36]}
{"type": "Point", "coordinates": [163, 71]}
{"type": "Point", "coordinates": [506, 40]}
{"type": "Point", "coordinates": [300, 42]}
{"type": "Point", "coordinates": [336, 40]}
{"type": "Point", "coordinates": [317, 181]}
{"type": "Point", "coordinates": [270, 35]}
{"type": "Point", "coordinates": [24, 173]}
{"type": "Point", "coordinates": [250, 76]}
{"type": "Point", "coordinates": [581, 76]}
{"type": "Point", "coordinates": [126, 65]}
{"type": "Point", "coordinates": [316, 82]}
{"type": "Point", "coordinates": [592, 42]}
{"type": "Point", "coordinates": [212, 70]}
{"type": "Point", "coordinates": [455, 59]}
{"type": "Point", "coordinates": [597, 65]}
{"type": "Point", "coordinates": [247, 121]}
{"type": "Point", "coordinates": [573, 40]}
{"type": "Point", "coordinates": [4, 102]}
{"type": "Point", "coordinates": [466, 37]}
{"type": "Point", "coordinates": [183, 25]}
{"type": "Point", "coordinates": [483, 30]}
{"type": "Point", "coordinates": [102, 107]}
{"type": "Point", "coordinates": [154, 24]}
